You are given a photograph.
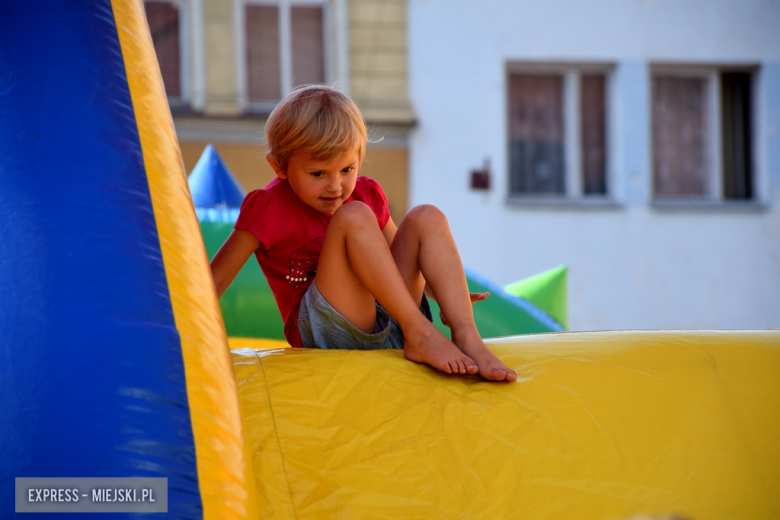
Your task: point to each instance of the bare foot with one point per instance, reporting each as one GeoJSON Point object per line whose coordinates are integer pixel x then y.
{"type": "Point", "coordinates": [490, 367]}
{"type": "Point", "coordinates": [429, 346]}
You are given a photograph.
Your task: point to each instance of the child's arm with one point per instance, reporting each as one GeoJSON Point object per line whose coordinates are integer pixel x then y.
{"type": "Point", "coordinates": [231, 257]}
{"type": "Point", "coordinates": [390, 231]}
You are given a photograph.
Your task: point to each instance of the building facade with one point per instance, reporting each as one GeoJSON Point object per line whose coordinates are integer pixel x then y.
{"type": "Point", "coordinates": [637, 142]}
{"type": "Point", "coordinates": [226, 63]}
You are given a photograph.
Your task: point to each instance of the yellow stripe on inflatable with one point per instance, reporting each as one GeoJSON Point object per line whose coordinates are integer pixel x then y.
{"type": "Point", "coordinates": [602, 426]}
{"type": "Point", "coordinates": [256, 343]}
{"type": "Point", "coordinates": [224, 473]}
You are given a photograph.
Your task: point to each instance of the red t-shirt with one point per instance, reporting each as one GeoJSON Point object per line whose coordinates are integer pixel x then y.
{"type": "Point", "coordinates": [290, 235]}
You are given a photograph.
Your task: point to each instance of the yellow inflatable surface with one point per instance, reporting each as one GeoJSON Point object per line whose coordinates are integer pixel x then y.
{"type": "Point", "coordinates": [256, 343]}
{"type": "Point", "coordinates": [603, 425]}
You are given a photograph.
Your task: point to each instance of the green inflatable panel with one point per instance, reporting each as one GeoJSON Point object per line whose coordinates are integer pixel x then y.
{"type": "Point", "coordinates": [547, 291]}
{"type": "Point", "coordinates": [502, 314]}
{"type": "Point", "coordinates": [248, 305]}
{"type": "Point", "coordinates": [250, 311]}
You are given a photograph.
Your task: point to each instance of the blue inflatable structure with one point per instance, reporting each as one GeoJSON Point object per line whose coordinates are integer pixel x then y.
{"type": "Point", "coordinates": [215, 192]}
{"type": "Point", "coordinates": [114, 360]}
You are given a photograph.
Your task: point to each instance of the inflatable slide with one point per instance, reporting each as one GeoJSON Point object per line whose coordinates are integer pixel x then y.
{"type": "Point", "coordinates": [114, 360]}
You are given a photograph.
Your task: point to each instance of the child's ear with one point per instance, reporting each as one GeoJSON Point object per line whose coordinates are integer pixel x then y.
{"type": "Point", "coordinates": [275, 165]}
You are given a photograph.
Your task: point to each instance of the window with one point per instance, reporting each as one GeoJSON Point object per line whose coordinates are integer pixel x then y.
{"type": "Point", "coordinates": [702, 134]}
{"type": "Point", "coordinates": [165, 20]}
{"type": "Point", "coordinates": [558, 131]}
{"type": "Point", "coordinates": [283, 46]}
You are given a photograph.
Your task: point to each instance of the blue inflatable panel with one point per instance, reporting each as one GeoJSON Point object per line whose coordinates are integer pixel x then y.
{"type": "Point", "coordinates": [92, 378]}
{"type": "Point", "coordinates": [211, 183]}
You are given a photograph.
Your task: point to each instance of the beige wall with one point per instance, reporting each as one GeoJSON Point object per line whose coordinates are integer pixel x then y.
{"type": "Point", "coordinates": [247, 163]}
{"type": "Point", "coordinates": [221, 96]}
{"type": "Point", "coordinates": [378, 60]}
{"type": "Point", "coordinates": [389, 166]}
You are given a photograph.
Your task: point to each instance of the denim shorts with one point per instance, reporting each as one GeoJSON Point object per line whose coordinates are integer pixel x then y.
{"type": "Point", "coordinates": [321, 326]}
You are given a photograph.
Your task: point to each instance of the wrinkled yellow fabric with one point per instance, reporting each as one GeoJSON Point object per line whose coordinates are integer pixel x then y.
{"type": "Point", "coordinates": [604, 425]}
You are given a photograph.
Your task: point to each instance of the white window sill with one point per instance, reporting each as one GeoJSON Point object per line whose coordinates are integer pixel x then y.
{"type": "Point", "coordinates": [563, 203]}
{"type": "Point", "coordinates": [708, 205]}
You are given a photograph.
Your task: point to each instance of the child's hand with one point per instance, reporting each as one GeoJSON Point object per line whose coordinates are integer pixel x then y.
{"type": "Point", "coordinates": [478, 296]}
{"type": "Point", "coordinates": [475, 297]}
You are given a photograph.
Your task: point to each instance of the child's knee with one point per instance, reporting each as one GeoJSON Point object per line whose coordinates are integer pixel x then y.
{"type": "Point", "coordinates": [427, 214]}
{"type": "Point", "coordinates": [354, 213]}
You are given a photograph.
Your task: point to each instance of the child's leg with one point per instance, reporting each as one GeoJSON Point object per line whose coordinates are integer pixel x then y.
{"type": "Point", "coordinates": [424, 250]}
{"type": "Point", "coordinates": [356, 267]}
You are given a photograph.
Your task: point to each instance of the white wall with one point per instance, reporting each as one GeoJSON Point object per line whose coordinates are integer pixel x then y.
{"type": "Point", "coordinates": [634, 265]}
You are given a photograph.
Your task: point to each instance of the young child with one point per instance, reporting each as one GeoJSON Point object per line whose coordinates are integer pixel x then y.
{"type": "Point", "coordinates": [343, 275]}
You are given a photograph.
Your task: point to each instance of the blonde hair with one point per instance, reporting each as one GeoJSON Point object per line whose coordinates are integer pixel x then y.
{"type": "Point", "coordinates": [315, 119]}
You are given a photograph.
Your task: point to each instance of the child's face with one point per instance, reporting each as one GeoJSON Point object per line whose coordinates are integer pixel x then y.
{"type": "Point", "coordinates": [322, 184]}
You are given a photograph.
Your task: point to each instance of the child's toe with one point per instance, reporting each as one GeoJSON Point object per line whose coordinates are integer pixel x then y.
{"type": "Point", "coordinates": [500, 374]}
{"type": "Point", "coordinates": [495, 373]}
